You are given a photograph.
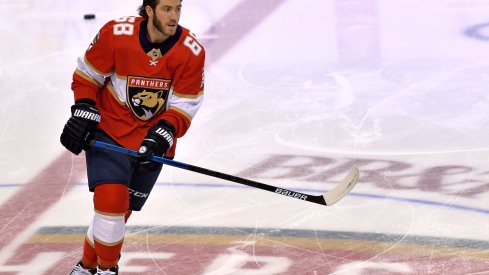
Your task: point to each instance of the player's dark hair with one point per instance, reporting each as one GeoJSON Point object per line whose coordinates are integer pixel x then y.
{"type": "Point", "coordinates": [142, 8]}
{"type": "Point", "coordinates": [151, 3]}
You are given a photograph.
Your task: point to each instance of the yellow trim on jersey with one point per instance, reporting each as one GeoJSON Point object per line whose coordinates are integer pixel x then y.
{"type": "Point", "coordinates": [182, 112]}
{"type": "Point", "coordinates": [114, 94]}
{"type": "Point", "coordinates": [189, 96]}
{"type": "Point", "coordinates": [88, 78]}
{"type": "Point", "coordinates": [95, 69]}
{"type": "Point", "coordinates": [121, 77]}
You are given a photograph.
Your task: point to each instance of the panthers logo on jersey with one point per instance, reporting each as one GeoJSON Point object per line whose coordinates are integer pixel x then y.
{"type": "Point", "coordinates": [147, 96]}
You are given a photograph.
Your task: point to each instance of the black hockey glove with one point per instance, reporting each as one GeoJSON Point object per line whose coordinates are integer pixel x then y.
{"type": "Point", "coordinates": [78, 131]}
{"type": "Point", "coordinates": [156, 143]}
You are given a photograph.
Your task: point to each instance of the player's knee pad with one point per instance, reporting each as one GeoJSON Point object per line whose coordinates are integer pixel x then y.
{"type": "Point", "coordinates": [108, 229]}
{"type": "Point", "coordinates": [111, 198]}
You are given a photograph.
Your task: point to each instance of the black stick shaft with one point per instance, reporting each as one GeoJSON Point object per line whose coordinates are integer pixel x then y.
{"type": "Point", "coordinates": [216, 174]}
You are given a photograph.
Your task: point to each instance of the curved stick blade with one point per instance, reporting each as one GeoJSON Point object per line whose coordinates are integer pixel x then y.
{"type": "Point", "coordinates": [343, 188]}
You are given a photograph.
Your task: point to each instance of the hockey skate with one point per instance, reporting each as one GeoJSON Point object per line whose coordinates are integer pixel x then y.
{"type": "Point", "coordinates": [112, 271]}
{"type": "Point", "coordinates": [80, 270]}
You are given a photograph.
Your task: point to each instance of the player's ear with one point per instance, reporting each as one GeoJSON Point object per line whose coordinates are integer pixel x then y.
{"type": "Point", "coordinates": [149, 11]}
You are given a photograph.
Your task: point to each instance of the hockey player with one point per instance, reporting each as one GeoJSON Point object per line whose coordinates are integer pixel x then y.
{"type": "Point", "coordinates": [138, 85]}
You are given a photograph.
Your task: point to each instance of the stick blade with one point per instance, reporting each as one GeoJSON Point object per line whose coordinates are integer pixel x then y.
{"type": "Point", "coordinates": [343, 188]}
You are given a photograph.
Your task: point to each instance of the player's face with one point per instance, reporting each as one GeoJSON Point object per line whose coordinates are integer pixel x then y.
{"type": "Point", "coordinates": [166, 16]}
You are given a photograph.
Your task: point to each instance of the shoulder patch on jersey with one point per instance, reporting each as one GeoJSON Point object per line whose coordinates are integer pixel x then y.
{"type": "Point", "coordinates": [94, 41]}
{"type": "Point", "coordinates": [147, 96]}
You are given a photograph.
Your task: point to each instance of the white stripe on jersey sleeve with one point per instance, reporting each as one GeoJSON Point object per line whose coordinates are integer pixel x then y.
{"type": "Point", "coordinates": [187, 104]}
{"type": "Point", "coordinates": [119, 85]}
{"type": "Point", "coordinates": [91, 72]}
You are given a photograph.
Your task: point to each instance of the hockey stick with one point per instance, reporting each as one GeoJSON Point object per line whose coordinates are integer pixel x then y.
{"type": "Point", "coordinates": [329, 198]}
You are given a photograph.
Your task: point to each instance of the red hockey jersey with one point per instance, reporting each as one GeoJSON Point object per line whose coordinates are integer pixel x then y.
{"type": "Point", "coordinates": [136, 83]}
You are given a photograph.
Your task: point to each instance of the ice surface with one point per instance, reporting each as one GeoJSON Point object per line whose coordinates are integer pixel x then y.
{"type": "Point", "coordinates": [296, 93]}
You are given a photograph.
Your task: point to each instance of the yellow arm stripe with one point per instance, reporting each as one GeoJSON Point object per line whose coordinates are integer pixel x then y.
{"type": "Point", "coordinates": [189, 96]}
{"type": "Point", "coordinates": [95, 69]}
{"type": "Point", "coordinates": [88, 78]}
{"type": "Point", "coordinates": [182, 112]}
{"type": "Point", "coordinates": [114, 94]}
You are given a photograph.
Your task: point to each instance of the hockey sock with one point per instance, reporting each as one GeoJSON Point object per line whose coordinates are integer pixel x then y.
{"type": "Point", "coordinates": [89, 258]}
{"type": "Point", "coordinates": [111, 203]}
{"type": "Point", "coordinates": [128, 214]}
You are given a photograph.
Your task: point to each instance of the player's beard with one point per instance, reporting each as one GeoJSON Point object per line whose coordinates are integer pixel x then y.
{"type": "Point", "coordinates": [161, 28]}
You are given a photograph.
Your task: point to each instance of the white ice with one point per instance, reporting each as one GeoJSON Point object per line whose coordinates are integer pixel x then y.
{"type": "Point", "coordinates": [398, 88]}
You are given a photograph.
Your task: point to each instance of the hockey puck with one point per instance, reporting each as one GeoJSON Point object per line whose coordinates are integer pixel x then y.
{"type": "Point", "coordinates": [89, 16]}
